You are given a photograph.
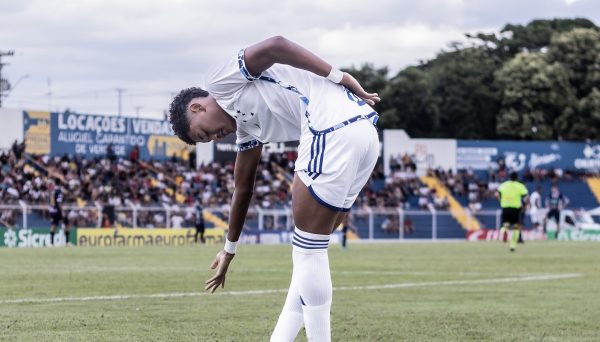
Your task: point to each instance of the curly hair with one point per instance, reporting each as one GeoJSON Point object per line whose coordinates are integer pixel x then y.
{"type": "Point", "coordinates": [178, 112]}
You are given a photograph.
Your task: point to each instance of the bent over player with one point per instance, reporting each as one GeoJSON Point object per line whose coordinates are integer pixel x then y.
{"type": "Point", "coordinates": [277, 91]}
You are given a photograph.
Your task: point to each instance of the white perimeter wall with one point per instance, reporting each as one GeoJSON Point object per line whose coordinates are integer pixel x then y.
{"type": "Point", "coordinates": [427, 153]}
{"type": "Point", "coordinates": [11, 127]}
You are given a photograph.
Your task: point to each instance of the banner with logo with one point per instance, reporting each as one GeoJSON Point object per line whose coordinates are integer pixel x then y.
{"type": "Point", "coordinates": [34, 237]}
{"type": "Point", "coordinates": [90, 135]}
{"type": "Point", "coordinates": [36, 132]}
{"type": "Point", "coordinates": [494, 235]}
{"type": "Point", "coordinates": [577, 235]}
{"type": "Point", "coordinates": [226, 149]}
{"type": "Point", "coordinates": [144, 237]}
{"type": "Point", "coordinates": [481, 155]}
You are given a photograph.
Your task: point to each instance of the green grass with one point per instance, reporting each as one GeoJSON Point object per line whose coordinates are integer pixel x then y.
{"type": "Point", "coordinates": [541, 310]}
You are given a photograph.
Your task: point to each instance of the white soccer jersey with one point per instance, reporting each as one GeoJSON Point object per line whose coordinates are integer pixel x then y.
{"type": "Point", "coordinates": [280, 104]}
{"type": "Point", "coordinates": [535, 201]}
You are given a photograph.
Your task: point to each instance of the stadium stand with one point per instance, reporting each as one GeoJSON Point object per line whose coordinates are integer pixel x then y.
{"type": "Point", "coordinates": [174, 185]}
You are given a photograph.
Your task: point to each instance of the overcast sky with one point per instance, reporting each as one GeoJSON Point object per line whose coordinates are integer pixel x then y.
{"type": "Point", "coordinates": [82, 50]}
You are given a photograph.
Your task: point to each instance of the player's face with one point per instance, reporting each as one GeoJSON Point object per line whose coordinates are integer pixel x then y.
{"type": "Point", "coordinates": [208, 121]}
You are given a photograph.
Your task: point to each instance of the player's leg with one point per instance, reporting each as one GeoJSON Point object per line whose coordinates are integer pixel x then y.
{"type": "Point", "coordinates": [505, 224]}
{"type": "Point", "coordinates": [310, 290]}
{"type": "Point", "coordinates": [344, 229]}
{"type": "Point", "coordinates": [202, 228]}
{"type": "Point", "coordinates": [520, 225]}
{"type": "Point", "coordinates": [52, 233]}
{"type": "Point", "coordinates": [66, 229]}
{"type": "Point", "coordinates": [291, 318]}
{"type": "Point", "coordinates": [54, 221]}
{"type": "Point", "coordinates": [319, 194]}
{"type": "Point", "coordinates": [557, 218]}
{"type": "Point", "coordinates": [311, 274]}
{"type": "Point", "coordinates": [516, 231]}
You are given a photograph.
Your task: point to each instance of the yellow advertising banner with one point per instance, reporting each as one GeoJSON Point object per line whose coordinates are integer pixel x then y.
{"type": "Point", "coordinates": [144, 237]}
{"type": "Point", "coordinates": [36, 132]}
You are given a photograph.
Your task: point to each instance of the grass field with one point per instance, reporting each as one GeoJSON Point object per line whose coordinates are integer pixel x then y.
{"type": "Point", "coordinates": [546, 291]}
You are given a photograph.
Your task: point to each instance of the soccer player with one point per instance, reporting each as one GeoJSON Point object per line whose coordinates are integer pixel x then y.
{"type": "Point", "coordinates": [555, 202]}
{"type": "Point", "coordinates": [199, 222]}
{"type": "Point", "coordinates": [512, 194]}
{"type": "Point", "coordinates": [56, 213]}
{"type": "Point", "coordinates": [277, 91]}
{"type": "Point", "coordinates": [536, 209]}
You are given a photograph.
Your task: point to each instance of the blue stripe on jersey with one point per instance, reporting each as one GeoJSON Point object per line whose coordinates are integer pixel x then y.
{"type": "Point", "coordinates": [322, 155]}
{"type": "Point", "coordinates": [307, 246]}
{"type": "Point", "coordinates": [312, 151]}
{"type": "Point", "coordinates": [316, 160]}
{"type": "Point", "coordinates": [300, 246]}
{"type": "Point", "coordinates": [242, 66]}
{"type": "Point", "coordinates": [248, 145]}
{"type": "Point", "coordinates": [344, 123]}
{"type": "Point", "coordinates": [310, 241]}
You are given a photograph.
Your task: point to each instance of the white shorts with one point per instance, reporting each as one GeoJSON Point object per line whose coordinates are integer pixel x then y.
{"type": "Point", "coordinates": [337, 165]}
{"type": "Point", "coordinates": [537, 215]}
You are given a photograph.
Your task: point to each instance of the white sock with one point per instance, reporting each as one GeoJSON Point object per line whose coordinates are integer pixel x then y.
{"type": "Point", "coordinates": [312, 276]}
{"type": "Point", "coordinates": [291, 319]}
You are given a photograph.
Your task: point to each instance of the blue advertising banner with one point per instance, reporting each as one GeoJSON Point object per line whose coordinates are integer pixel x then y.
{"type": "Point", "coordinates": [90, 135]}
{"type": "Point", "coordinates": [480, 155]}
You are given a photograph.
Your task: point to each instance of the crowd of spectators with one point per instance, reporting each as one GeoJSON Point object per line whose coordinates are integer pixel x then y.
{"type": "Point", "coordinates": [478, 189]}
{"type": "Point", "coordinates": [122, 183]}
{"type": "Point", "coordinates": [115, 185]}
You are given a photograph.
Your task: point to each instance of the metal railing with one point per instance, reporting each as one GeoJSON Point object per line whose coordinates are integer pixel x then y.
{"type": "Point", "coordinates": [368, 223]}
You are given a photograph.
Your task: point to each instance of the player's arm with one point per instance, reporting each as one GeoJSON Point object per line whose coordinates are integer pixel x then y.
{"type": "Point", "coordinates": [565, 201]}
{"type": "Point", "coordinates": [261, 56]}
{"type": "Point", "coordinates": [244, 174]}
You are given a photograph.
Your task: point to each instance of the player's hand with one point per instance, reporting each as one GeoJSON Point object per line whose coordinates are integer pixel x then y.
{"type": "Point", "coordinates": [351, 83]}
{"type": "Point", "coordinates": [221, 263]}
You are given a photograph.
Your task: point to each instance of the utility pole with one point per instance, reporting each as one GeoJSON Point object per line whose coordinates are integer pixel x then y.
{"type": "Point", "coordinates": [120, 92]}
{"type": "Point", "coordinates": [137, 111]}
{"type": "Point", "coordinates": [4, 84]}
{"type": "Point", "coordinates": [49, 93]}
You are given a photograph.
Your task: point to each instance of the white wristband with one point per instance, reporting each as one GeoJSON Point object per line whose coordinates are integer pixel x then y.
{"type": "Point", "coordinates": [230, 246]}
{"type": "Point", "coordinates": [335, 75]}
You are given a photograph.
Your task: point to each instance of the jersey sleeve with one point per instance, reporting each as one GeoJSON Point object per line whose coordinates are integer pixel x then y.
{"type": "Point", "coordinates": [226, 81]}
{"type": "Point", "coordinates": [524, 191]}
{"type": "Point", "coordinates": [245, 141]}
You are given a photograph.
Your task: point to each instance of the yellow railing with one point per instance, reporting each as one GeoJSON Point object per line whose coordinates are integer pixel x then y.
{"type": "Point", "coordinates": [216, 220]}
{"type": "Point", "coordinates": [461, 215]}
{"type": "Point", "coordinates": [594, 184]}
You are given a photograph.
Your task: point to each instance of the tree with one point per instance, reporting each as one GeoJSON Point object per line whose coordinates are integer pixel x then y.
{"type": "Point", "coordinates": [587, 124]}
{"type": "Point", "coordinates": [408, 104]}
{"type": "Point", "coordinates": [538, 34]}
{"type": "Point", "coordinates": [464, 91]}
{"type": "Point", "coordinates": [536, 97]}
{"type": "Point", "coordinates": [579, 52]}
{"type": "Point", "coordinates": [533, 81]}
